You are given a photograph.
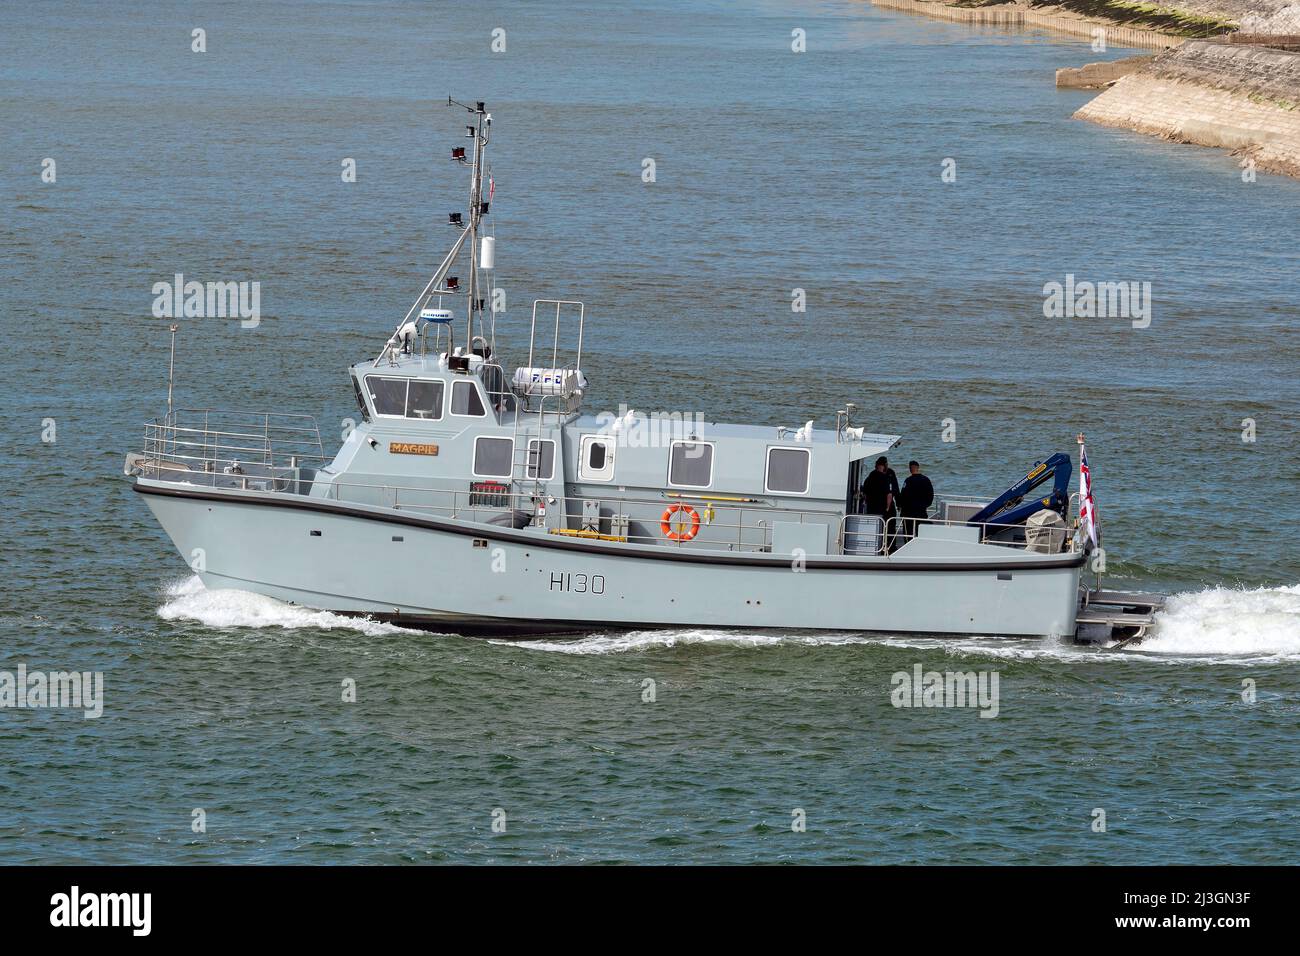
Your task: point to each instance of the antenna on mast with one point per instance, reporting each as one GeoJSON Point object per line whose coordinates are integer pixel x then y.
{"type": "Point", "coordinates": [478, 208]}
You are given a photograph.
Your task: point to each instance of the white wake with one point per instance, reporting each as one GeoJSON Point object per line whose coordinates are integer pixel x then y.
{"type": "Point", "coordinates": [189, 600]}
{"type": "Point", "coordinates": [1217, 625]}
{"type": "Point", "coordinates": [1223, 625]}
{"type": "Point", "coordinates": [618, 642]}
{"type": "Point", "coordinates": [1250, 625]}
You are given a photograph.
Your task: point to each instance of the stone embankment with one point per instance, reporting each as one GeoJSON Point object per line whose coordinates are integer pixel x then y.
{"type": "Point", "coordinates": [1097, 76]}
{"type": "Point", "coordinates": [1241, 97]}
{"type": "Point", "coordinates": [1014, 15]}
{"type": "Point", "coordinates": [1240, 91]}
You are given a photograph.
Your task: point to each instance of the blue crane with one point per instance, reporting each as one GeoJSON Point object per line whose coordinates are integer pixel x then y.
{"type": "Point", "coordinates": [1010, 507]}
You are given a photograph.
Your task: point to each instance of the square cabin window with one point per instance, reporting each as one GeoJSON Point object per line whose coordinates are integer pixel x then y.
{"type": "Point", "coordinates": [387, 395]}
{"type": "Point", "coordinates": [465, 399]}
{"type": "Point", "coordinates": [787, 470]}
{"type": "Point", "coordinates": [541, 459]}
{"type": "Point", "coordinates": [690, 464]}
{"type": "Point", "coordinates": [424, 400]}
{"type": "Point", "coordinates": [493, 457]}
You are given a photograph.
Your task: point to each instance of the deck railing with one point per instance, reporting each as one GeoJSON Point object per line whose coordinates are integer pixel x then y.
{"type": "Point", "coordinates": [213, 440]}
{"type": "Point", "coordinates": [722, 526]}
{"type": "Point", "coordinates": [1050, 540]}
{"type": "Point", "coordinates": [746, 527]}
{"type": "Point", "coordinates": [278, 453]}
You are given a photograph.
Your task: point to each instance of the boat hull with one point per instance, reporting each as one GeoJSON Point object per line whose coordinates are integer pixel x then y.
{"type": "Point", "coordinates": [481, 579]}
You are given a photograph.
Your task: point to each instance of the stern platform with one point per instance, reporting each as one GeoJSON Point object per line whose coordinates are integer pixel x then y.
{"type": "Point", "coordinates": [1123, 616]}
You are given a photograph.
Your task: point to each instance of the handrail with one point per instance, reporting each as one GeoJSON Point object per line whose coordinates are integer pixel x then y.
{"type": "Point", "coordinates": [270, 450]}
{"type": "Point", "coordinates": [251, 412]}
{"type": "Point", "coordinates": [269, 439]}
{"type": "Point", "coordinates": [555, 339]}
{"type": "Point", "coordinates": [894, 529]}
{"type": "Point", "coordinates": [743, 527]}
{"type": "Point", "coordinates": [451, 505]}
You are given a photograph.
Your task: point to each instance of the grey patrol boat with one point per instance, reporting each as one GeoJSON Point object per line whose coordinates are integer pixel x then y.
{"type": "Point", "coordinates": [478, 497]}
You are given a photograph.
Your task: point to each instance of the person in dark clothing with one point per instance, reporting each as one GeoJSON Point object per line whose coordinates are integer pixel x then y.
{"type": "Point", "coordinates": [879, 492]}
{"type": "Point", "coordinates": [915, 499]}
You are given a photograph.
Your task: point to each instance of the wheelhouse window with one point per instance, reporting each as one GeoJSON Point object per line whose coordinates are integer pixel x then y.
{"type": "Point", "coordinates": [387, 395]}
{"type": "Point", "coordinates": [465, 399]}
{"type": "Point", "coordinates": [405, 398]}
{"type": "Point", "coordinates": [787, 470]}
{"type": "Point", "coordinates": [361, 400]}
{"type": "Point", "coordinates": [596, 458]}
{"type": "Point", "coordinates": [424, 400]}
{"type": "Point", "coordinates": [541, 459]}
{"type": "Point", "coordinates": [493, 457]}
{"type": "Point", "coordinates": [690, 464]}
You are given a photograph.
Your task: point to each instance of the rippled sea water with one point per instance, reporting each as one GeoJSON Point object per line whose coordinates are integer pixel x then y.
{"type": "Point", "coordinates": [775, 171]}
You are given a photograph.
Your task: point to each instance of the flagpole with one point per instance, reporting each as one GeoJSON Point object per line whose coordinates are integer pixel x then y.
{"type": "Point", "coordinates": [1085, 494]}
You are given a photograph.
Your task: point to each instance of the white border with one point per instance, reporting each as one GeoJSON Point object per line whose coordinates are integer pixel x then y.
{"type": "Point", "coordinates": [473, 465]}
{"type": "Point", "coordinates": [611, 446]}
{"type": "Point", "coordinates": [374, 409]}
{"type": "Point", "coordinates": [470, 383]}
{"type": "Point", "coordinates": [713, 455]}
{"type": "Point", "coordinates": [529, 449]}
{"type": "Point", "coordinates": [767, 467]}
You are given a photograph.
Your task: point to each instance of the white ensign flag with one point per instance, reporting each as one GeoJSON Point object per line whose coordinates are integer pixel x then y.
{"type": "Point", "coordinates": [1087, 506]}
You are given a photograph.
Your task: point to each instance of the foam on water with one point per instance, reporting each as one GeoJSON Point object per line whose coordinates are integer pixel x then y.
{"type": "Point", "coordinates": [1217, 625]}
{"type": "Point", "coordinates": [188, 599]}
{"type": "Point", "coordinates": [1232, 625]}
{"type": "Point", "coordinates": [621, 642]}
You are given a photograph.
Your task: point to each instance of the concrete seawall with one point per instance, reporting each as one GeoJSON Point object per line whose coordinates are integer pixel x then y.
{"type": "Point", "coordinates": [1095, 76]}
{"type": "Point", "coordinates": [1238, 97]}
{"type": "Point", "coordinates": [1011, 16]}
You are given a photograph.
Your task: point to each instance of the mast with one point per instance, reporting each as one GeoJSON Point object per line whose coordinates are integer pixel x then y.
{"type": "Point", "coordinates": [476, 210]}
{"type": "Point", "coordinates": [477, 207]}
{"type": "Point", "coordinates": [479, 132]}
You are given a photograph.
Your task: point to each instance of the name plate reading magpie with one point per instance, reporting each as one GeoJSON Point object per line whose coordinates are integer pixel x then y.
{"type": "Point", "coordinates": [407, 448]}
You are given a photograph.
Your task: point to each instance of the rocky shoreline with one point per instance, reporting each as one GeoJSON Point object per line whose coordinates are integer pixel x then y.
{"type": "Point", "coordinates": [1238, 92]}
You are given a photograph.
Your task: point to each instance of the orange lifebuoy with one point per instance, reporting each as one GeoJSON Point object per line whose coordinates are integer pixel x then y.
{"type": "Point", "coordinates": [666, 523]}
